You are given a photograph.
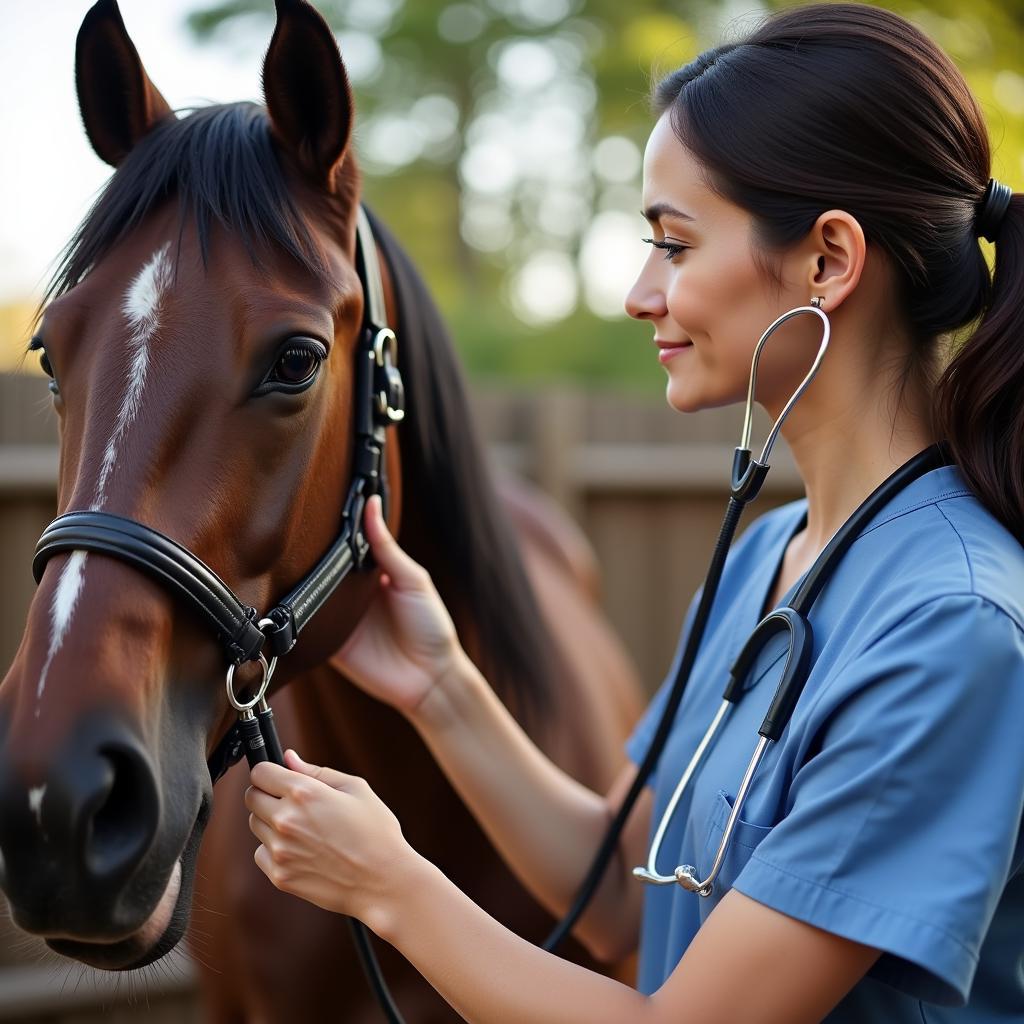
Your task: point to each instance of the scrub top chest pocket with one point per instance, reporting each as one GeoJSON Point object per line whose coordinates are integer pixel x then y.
{"type": "Point", "coordinates": [745, 839]}
{"type": "Point", "coordinates": [722, 769]}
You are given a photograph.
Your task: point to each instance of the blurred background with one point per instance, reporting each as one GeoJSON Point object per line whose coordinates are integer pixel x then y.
{"type": "Point", "coordinates": [502, 141]}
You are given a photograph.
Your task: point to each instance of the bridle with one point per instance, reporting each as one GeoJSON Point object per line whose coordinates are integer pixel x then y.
{"type": "Point", "coordinates": [241, 631]}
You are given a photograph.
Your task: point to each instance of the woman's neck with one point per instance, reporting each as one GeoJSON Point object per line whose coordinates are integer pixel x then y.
{"type": "Point", "coordinates": [850, 430]}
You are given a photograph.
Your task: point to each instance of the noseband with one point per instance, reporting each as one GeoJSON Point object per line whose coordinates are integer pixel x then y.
{"type": "Point", "coordinates": [241, 631]}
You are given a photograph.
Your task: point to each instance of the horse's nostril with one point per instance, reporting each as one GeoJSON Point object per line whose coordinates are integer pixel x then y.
{"type": "Point", "coordinates": [122, 825]}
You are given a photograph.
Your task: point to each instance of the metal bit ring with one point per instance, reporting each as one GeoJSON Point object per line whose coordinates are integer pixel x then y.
{"type": "Point", "coordinates": [230, 684]}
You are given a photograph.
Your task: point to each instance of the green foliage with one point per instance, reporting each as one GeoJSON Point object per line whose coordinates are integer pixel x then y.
{"type": "Point", "coordinates": [612, 354]}
{"type": "Point", "coordinates": [440, 84]}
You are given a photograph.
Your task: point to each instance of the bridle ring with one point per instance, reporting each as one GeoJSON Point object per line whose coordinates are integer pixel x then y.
{"type": "Point", "coordinates": [261, 691]}
{"type": "Point", "coordinates": [266, 621]}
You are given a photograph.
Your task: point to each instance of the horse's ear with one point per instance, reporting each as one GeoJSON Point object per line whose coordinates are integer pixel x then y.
{"type": "Point", "coordinates": [307, 91]}
{"type": "Point", "coordinates": [119, 103]}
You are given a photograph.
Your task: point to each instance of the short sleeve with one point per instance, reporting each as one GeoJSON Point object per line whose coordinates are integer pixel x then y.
{"type": "Point", "coordinates": [903, 823]}
{"type": "Point", "coordinates": [640, 741]}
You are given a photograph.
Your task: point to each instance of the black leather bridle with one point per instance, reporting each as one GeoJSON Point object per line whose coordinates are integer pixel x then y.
{"type": "Point", "coordinates": [241, 631]}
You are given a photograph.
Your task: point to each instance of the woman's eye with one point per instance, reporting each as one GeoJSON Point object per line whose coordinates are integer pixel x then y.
{"type": "Point", "coordinates": [296, 368]}
{"type": "Point", "coordinates": [672, 249]}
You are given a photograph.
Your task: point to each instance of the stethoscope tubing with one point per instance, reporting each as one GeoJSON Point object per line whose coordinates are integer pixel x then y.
{"type": "Point", "coordinates": [794, 619]}
{"type": "Point", "coordinates": [687, 656]}
{"type": "Point", "coordinates": [747, 477]}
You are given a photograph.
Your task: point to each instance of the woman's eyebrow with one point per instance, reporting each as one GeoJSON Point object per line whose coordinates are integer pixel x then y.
{"type": "Point", "coordinates": [656, 211]}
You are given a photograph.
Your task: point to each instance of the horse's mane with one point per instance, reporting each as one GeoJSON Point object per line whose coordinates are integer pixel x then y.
{"type": "Point", "coordinates": [220, 163]}
{"type": "Point", "coordinates": [444, 465]}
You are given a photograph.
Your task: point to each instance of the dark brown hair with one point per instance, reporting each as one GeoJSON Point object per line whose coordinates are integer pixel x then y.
{"type": "Point", "coordinates": [850, 106]}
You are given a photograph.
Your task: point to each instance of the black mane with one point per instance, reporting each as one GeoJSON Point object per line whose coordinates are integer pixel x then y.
{"type": "Point", "coordinates": [220, 163]}
{"type": "Point", "coordinates": [444, 466]}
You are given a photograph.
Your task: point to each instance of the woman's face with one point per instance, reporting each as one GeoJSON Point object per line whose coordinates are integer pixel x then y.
{"type": "Point", "coordinates": [706, 299]}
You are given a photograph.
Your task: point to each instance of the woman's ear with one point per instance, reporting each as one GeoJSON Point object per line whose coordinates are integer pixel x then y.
{"type": "Point", "coordinates": [119, 103]}
{"type": "Point", "coordinates": [307, 91]}
{"type": "Point", "coordinates": [839, 251]}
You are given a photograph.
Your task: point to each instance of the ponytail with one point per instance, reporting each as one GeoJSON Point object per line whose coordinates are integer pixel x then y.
{"type": "Point", "coordinates": [980, 395]}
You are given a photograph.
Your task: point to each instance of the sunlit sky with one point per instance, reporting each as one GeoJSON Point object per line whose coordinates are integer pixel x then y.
{"type": "Point", "coordinates": [51, 174]}
{"type": "Point", "coordinates": [48, 173]}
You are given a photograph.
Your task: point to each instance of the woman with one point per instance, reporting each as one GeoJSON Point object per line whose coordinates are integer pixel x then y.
{"type": "Point", "coordinates": [835, 156]}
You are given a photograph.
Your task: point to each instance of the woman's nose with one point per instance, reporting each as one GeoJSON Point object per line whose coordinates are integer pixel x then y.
{"type": "Point", "coordinates": [645, 300]}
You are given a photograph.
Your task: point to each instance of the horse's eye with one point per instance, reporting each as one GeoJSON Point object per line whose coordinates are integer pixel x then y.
{"type": "Point", "coordinates": [297, 365]}
{"type": "Point", "coordinates": [36, 345]}
{"type": "Point", "coordinates": [296, 368]}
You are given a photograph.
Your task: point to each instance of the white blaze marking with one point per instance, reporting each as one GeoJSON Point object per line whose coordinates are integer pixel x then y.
{"type": "Point", "coordinates": [35, 803]}
{"type": "Point", "coordinates": [69, 586]}
{"type": "Point", "coordinates": [140, 306]}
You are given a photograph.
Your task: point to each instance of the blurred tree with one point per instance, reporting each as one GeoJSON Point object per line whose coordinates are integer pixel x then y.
{"type": "Point", "coordinates": [503, 140]}
{"type": "Point", "coordinates": [15, 325]}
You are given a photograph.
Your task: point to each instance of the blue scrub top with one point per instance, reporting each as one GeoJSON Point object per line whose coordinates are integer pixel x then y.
{"type": "Point", "coordinates": [890, 810]}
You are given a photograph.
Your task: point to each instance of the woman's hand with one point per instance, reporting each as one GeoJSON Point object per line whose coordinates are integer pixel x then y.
{"type": "Point", "coordinates": [327, 838]}
{"type": "Point", "coordinates": [406, 641]}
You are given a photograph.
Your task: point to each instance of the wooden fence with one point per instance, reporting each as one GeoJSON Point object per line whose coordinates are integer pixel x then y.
{"type": "Point", "coordinates": [647, 487]}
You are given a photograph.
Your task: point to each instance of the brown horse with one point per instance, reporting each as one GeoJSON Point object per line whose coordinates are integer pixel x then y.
{"type": "Point", "coordinates": [200, 335]}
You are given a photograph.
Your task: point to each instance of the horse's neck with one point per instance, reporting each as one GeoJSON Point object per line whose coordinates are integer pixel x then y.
{"type": "Point", "coordinates": [339, 725]}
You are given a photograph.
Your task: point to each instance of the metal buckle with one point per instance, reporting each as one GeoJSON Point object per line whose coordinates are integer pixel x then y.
{"type": "Point", "coordinates": [390, 399]}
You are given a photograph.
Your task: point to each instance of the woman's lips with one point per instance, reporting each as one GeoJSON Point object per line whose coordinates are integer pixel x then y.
{"type": "Point", "coordinates": [669, 349]}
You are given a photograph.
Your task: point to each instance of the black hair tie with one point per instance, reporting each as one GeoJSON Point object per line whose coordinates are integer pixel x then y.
{"type": "Point", "coordinates": [992, 209]}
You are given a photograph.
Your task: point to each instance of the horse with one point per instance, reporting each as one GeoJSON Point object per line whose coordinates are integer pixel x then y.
{"type": "Point", "coordinates": [199, 333]}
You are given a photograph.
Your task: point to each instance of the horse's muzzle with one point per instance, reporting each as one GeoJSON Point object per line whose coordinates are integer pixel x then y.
{"type": "Point", "coordinates": [74, 830]}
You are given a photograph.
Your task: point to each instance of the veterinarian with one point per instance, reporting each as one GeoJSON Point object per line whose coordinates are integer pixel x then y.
{"type": "Point", "coordinates": [832, 164]}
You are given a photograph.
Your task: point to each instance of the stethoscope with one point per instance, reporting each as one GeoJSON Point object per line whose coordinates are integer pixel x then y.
{"type": "Point", "coordinates": [747, 478]}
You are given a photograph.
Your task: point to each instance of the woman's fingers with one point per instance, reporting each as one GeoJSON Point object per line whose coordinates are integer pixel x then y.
{"type": "Point", "coordinates": [261, 830]}
{"type": "Point", "coordinates": [271, 783]}
{"type": "Point", "coordinates": [265, 863]}
{"type": "Point", "coordinates": [404, 572]}
{"type": "Point", "coordinates": [261, 804]}
{"type": "Point", "coordinates": [329, 776]}
{"type": "Point", "coordinates": [271, 778]}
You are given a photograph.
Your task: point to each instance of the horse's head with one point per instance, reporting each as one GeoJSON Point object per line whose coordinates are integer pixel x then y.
{"type": "Point", "coordinates": [201, 336]}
